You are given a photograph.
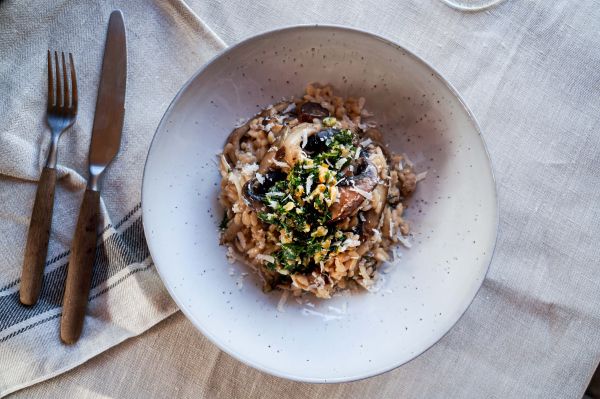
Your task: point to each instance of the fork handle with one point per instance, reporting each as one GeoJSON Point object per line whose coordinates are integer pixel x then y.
{"type": "Point", "coordinates": [37, 239]}
{"type": "Point", "coordinates": [79, 273]}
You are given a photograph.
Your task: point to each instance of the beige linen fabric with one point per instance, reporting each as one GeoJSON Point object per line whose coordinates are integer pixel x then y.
{"type": "Point", "coordinates": [166, 44]}
{"type": "Point", "coordinates": [531, 73]}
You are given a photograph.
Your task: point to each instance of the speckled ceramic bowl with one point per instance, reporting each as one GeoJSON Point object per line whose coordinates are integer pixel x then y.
{"type": "Point", "coordinates": [454, 213]}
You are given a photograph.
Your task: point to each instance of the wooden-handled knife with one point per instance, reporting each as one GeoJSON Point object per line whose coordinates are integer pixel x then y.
{"type": "Point", "coordinates": [106, 138]}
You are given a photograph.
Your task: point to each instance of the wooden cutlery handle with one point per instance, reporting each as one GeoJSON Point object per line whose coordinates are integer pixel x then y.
{"type": "Point", "coordinates": [79, 273]}
{"type": "Point", "coordinates": [37, 239]}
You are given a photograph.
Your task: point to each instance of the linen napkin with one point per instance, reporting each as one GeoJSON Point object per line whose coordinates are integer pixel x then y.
{"type": "Point", "coordinates": [166, 44]}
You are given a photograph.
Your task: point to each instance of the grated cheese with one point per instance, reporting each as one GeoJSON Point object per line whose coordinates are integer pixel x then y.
{"type": "Point", "coordinates": [340, 181]}
{"type": "Point", "coordinates": [404, 241]}
{"type": "Point", "coordinates": [267, 258]}
{"type": "Point", "coordinates": [325, 316]}
{"type": "Point", "coordinates": [289, 108]}
{"type": "Point", "coordinates": [364, 193]}
{"type": "Point", "coordinates": [376, 235]}
{"type": "Point", "coordinates": [407, 160]}
{"type": "Point", "coordinates": [350, 243]}
{"type": "Point", "coordinates": [260, 178]}
{"type": "Point", "coordinates": [282, 300]}
{"type": "Point", "coordinates": [386, 267]}
{"type": "Point", "coordinates": [250, 168]}
{"type": "Point", "coordinates": [337, 310]}
{"type": "Point", "coordinates": [378, 281]}
{"type": "Point", "coordinates": [366, 142]}
{"type": "Point", "coordinates": [396, 253]}
{"type": "Point", "coordinates": [421, 176]}
{"type": "Point", "coordinates": [309, 183]}
{"type": "Point", "coordinates": [281, 164]}
{"type": "Point", "coordinates": [231, 258]}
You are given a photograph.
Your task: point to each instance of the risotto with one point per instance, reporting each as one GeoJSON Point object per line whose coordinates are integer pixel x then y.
{"type": "Point", "coordinates": [313, 199]}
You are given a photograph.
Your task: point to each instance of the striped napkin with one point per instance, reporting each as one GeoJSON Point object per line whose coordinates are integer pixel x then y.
{"type": "Point", "coordinates": [166, 44]}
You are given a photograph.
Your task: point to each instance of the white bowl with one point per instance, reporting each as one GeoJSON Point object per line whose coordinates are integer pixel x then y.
{"type": "Point", "coordinates": [453, 215]}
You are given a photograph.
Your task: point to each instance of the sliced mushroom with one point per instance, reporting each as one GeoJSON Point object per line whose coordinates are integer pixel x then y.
{"type": "Point", "coordinates": [291, 144]}
{"type": "Point", "coordinates": [360, 221]}
{"type": "Point", "coordinates": [234, 140]}
{"type": "Point", "coordinates": [255, 192]}
{"type": "Point", "coordinates": [352, 190]}
{"type": "Point", "coordinates": [267, 162]}
{"type": "Point", "coordinates": [317, 143]}
{"type": "Point", "coordinates": [310, 111]}
{"type": "Point", "coordinates": [275, 153]}
{"type": "Point", "coordinates": [373, 215]}
{"type": "Point", "coordinates": [233, 143]}
{"type": "Point", "coordinates": [380, 193]}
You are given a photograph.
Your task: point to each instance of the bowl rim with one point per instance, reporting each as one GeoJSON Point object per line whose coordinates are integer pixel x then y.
{"type": "Point", "coordinates": [342, 28]}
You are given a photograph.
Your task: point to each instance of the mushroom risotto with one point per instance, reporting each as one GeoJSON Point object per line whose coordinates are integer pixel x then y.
{"type": "Point", "coordinates": [313, 198]}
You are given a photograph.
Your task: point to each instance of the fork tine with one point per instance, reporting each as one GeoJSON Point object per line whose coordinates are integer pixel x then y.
{"type": "Point", "coordinates": [58, 85]}
{"type": "Point", "coordinates": [73, 85]}
{"type": "Point", "coordinates": [65, 82]}
{"type": "Point", "coordinates": [50, 83]}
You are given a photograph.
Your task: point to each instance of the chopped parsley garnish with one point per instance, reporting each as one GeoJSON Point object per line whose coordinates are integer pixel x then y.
{"type": "Point", "coordinates": [299, 206]}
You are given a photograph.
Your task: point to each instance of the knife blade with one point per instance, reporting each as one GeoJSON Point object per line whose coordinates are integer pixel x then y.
{"type": "Point", "coordinates": [104, 145]}
{"type": "Point", "coordinates": [110, 105]}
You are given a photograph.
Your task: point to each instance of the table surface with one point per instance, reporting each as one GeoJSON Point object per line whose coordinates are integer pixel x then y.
{"type": "Point", "coordinates": [534, 328]}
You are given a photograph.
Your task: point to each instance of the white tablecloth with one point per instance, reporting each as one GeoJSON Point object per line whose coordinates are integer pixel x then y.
{"type": "Point", "coordinates": [530, 71]}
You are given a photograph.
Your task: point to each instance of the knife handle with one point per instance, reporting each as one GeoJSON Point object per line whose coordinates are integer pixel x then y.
{"type": "Point", "coordinates": [79, 273]}
{"type": "Point", "coordinates": [37, 239]}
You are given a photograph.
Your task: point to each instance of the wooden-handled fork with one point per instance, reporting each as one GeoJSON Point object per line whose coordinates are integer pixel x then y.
{"type": "Point", "coordinates": [62, 112]}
